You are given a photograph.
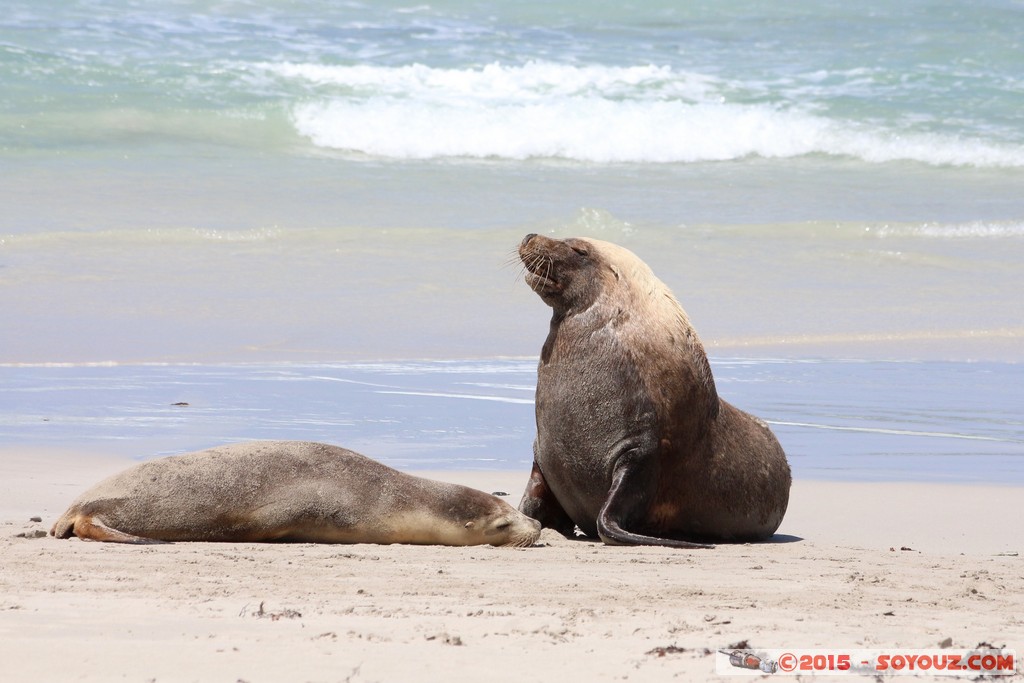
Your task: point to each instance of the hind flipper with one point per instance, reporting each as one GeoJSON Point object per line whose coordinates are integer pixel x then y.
{"type": "Point", "coordinates": [620, 508]}
{"type": "Point", "coordinates": [91, 529]}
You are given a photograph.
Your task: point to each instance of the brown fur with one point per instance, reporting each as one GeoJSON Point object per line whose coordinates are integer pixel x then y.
{"type": "Point", "coordinates": [287, 491]}
{"type": "Point", "coordinates": [633, 442]}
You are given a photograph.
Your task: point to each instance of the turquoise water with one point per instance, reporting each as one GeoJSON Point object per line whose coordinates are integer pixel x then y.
{"type": "Point", "coordinates": [933, 82]}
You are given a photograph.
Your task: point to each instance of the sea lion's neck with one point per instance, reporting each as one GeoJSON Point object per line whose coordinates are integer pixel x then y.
{"type": "Point", "coordinates": [549, 343]}
{"type": "Point", "coordinates": [654, 330]}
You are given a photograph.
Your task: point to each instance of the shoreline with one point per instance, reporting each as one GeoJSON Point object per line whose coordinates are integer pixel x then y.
{"type": "Point", "coordinates": [964, 346]}
{"type": "Point", "coordinates": [854, 565]}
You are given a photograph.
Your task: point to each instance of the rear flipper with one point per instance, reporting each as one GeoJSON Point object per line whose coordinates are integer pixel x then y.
{"type": "Point", "coordinates": [621, 507]}
{"type": "Point", "coordinates": [91, 529]}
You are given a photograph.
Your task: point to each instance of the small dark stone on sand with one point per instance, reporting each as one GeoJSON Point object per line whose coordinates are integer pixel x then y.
{"type": "Point", "coordinates": [35, 533]}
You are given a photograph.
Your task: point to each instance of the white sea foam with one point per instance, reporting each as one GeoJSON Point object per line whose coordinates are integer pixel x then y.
{"type": "Point", "coordinates": [534, 81]}
{"type": "Point", "coordinates": [472, 397]}
{"type": "Point", "coordinates": [591, 114]}
{"type": "Point", "coordinates": [969, 230]}
{"type": "Point", "coordinates": [894, 432]}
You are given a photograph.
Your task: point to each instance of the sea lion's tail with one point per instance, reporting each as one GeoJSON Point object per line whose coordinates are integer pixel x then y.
{"type": "Point", "coordinates": [75, 522]}
{"type": "Point", "coordinates": [65, 526]}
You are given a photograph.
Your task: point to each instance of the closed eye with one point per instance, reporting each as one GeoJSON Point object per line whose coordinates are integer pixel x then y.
{"type": "Point", "coordinates": [581, 251]}
{"type": "Point", "coordinates": [499, 528]}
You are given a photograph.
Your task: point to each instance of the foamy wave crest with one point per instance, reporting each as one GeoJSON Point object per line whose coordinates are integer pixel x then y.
{"type": "Point", "coordinates": [971, 230]}
{"type": "Point", "coordinates": [150, 236]}
{"type": "Point", "coordinates": [535, 81]}
{"type": "Point", "coordinates": [590, 114]}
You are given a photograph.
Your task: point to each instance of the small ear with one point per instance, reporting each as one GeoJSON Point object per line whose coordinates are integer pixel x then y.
{"type": "Point", "coordinates": [615, 272]}
{"type": "Point", "coordinates": [469, 525]}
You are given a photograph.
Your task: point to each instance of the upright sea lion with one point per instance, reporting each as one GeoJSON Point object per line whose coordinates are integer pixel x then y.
{"type": "Point", "coordinates": [288, 491]}
{"type": "Point", "coordinates": [633, 443]}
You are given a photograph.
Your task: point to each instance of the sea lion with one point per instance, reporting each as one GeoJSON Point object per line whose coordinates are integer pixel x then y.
{"type": "Point", "coordinates": [288, 491]}
{"type": "Point", "coordinates": [633, 443]}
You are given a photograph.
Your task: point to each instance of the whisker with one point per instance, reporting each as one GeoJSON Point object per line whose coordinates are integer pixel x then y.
{"type": "Point", "coordinates": [531, 267]}
{"type": "Point", "coordinates": [521, 274]}
{"type": "Point", "coordinates": [539, 264]}
{"type": "Point", "coordinates": [522, 542]}
{"type": "Point", "coordinates": [547, 265]}
{"type": "Point", "coordinates": [512, 259]}
{"type": "Point", "coordinates": [520, 262]}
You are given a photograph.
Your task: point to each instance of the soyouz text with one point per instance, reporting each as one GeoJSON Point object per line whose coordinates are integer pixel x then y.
{"type": "Point", "coordinates": [903, 661]}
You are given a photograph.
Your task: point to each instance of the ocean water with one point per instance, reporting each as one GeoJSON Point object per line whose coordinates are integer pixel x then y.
{"type": "Point", "coordinates": [232, 180]}
{"type": "Point", "coordinates": [890, 420]}
{"type": "Point", "coordinates": [938, 83]}
{"type": "Point", "coordinates": [236, 184]}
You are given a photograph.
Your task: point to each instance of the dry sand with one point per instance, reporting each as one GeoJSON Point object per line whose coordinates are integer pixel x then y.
{"type": "Point", "coordinates": [856, 566]}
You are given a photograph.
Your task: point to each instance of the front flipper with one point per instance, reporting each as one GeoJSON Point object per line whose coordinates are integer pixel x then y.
{"type": "Point", "coordinates": [91, 529]}
{"type": "Point", "coordinates": [540, 503]}
{"type": "Point", "coordinates": [620, 508]}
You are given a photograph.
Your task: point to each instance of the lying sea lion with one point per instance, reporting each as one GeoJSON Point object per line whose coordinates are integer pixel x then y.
{"type": "Point", "coordinates": [633, 443]}
{"type": "Point", "coordinates": [288, 491]}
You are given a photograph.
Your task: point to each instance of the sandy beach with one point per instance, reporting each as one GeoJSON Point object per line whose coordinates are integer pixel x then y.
{"type": "Point", "coordinates": [854, 565]}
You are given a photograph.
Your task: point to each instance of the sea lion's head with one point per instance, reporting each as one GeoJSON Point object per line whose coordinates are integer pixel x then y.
{"type": "Point", "coordinates": [466, 516]}
{"type": "Point", "coordinates": [571, 274]}
{"type": "Point", "coordinates": [501, 525]}
{"type": "Point", "coordinates": [566, 273]}
{"type": "Point", "coordinates": [510, 529]}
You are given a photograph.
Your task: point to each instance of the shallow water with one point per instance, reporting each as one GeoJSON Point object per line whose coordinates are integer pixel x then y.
{"type": "Point", "coordinates": [843, 420]}
{"type": "Point", "coordinates": [931, 290]}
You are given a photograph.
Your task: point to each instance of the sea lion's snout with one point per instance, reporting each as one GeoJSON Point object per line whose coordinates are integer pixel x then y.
{"type": "Point", "coordinates": [539, 264]}
{"type": "Point", "coordinates": [517, 531]}
{"type": "Point", "coordinates": [534, 250]}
